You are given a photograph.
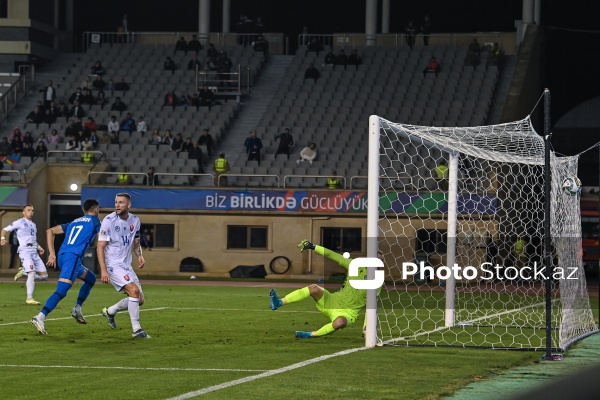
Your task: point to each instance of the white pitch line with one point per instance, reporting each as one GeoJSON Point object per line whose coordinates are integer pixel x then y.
{"type": "Point", "coordinates": [265, 374]}
{"type": "Point", "coordinates": [132, 368]}
{"type": "Point", "coordinates": [245, 310]}
{"type": "Point", "coordinates": [68, 318]}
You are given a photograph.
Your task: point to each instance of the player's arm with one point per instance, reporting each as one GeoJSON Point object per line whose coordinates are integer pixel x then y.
{"type": "Point", "coordinates": [332, 255]}
{"type": "Point", "coordinates": [50, 233]}
{"type": "Point", "coordinates": [3, 237]}
{"type": "Point", "coordinates": [104, 277]}
{"type": "Point", "coordinates": [137, 250]}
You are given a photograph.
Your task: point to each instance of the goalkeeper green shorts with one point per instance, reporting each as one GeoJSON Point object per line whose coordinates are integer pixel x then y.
{"type": "Point", "coordinates": [329, 306]}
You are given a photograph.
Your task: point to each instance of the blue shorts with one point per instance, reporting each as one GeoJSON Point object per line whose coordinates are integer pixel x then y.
{"type": "Point", "coordinates": [70, 265]}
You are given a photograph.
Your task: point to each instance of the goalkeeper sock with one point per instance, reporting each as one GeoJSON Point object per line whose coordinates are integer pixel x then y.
{"type": "Point", "coordinates": [325, 330]}
{"type": "Point", "coordinates": [296, 295]}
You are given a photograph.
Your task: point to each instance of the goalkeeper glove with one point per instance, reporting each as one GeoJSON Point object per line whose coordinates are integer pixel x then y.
{"type": "Point", "coordinates": [305, 245]}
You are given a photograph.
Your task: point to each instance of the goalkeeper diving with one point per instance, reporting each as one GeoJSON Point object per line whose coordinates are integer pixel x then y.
{"type": "Point", "coordinates": [341, 307]}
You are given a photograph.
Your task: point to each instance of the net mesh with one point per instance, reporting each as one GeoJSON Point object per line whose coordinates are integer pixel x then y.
{"type": "Point", "coordinates": [499, 214]}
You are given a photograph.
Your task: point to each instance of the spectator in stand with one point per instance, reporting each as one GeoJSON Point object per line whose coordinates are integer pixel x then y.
{"type": "Point", "coordinates": [441, 175]}
{"type": "Point", "coordinates": [28, 151]}
{"type": "Point", "coordinates": [28, 138]}
{"type": "Point", "coordinates": [195, 153]}
{"type": "Point", "coordinates": [176, 144]}
{"type": "Point", "coordinates": [183, 102]}
{"type": "Point", "coordinates": [75, 96]}
{"type": "Point", "coordinates": [121, 85]}
{"type": "Point", "coordinates": [410, 33]}
{"type": "Point", "coordinates": [16, 134]}
{"type": "Point", "coordinates": [194, 45]}
{"type": "Point", "coordinates": [54, 138]}
{"type": "Point", "coordinates": [155, 138]}
{"type": "Point", "coordinates": [433, 67]}
{"type": "Point", "coordinates": [76, 111]}
{"type": "Point", "coordinates": [187, 145]}
{"type": "Point", "coordinates": [113, 125]}
{"type": "Point", "coordinates": [425, 29]}
{"type": "Point", "coordinates": [354, 59]}
{"type": "Point", "coordinates": [329, 58]}
{"type": "Point", "coordinates": [63, 111]}
{"type": "Point", "coordinates": [49, 118]}
{"type": "Point", "coordinates": [97, 68]}
{"type": "Point", "coordinates": [110, 87]}
{"type": "Point", "coordinates": [94, 139]}
{"type": "Point", "coordinates": [261, 46]}
{"type": "Point", "coordinates": [118, 105]}
{"type": "Point", "coordinates": [89, 126]}
{"type": "Point", "coordinates": [170, 99]}
{"type": "Point", "coordinates": [43, 139]}
{"type": "Point", "coordinates": [194, 101]}
{"type": "Point", "coordinates": [167, 140]}
{"type": "Point", "coordinates": [309, 153]}
{"type": "Point", "coordinates": [87, 83]}
{"type": "Point", "coordinates": [169, 65]}
{"type": "Point", "coordinates": [206, 140]}
{"type": "Point", "coordinates": [128, 124]}
{"type": "Point", "coordinates": [105, 138]}
{"type": "Point", "coordinates": [341, 59]}
{"type": "Point", "coordinates": [71, 129]}
{"type": "Point", "coordinates": [114, 138]}
{"type": "Point", "coordinates": [496, 56]}
{"type": "Point", "coordinates": [5, 147]}
{"type": "Point", "coordinates": [193, 64]}
{"type": "Point", "coordinates": [333, 182]}
{"type": "Point", "coordinates": [315, 46]}
{"type": "Point", "coordinates": [253, 145]}
{"type": "Point", "coordinates": [206, 97]}
{"type": "Point", "coordinates": [475, 47]}
{"type": "Point", "coordinates": [88, 147]}
{"type": "Point", "coordinates": [48, 94]}
{"type": "Point", "coordinates": [224, 66]}
{"type": "Point", "coordinates": [53, 110]}
{"type": "Point", "coordinates": [101, 99]}
{"type": "Point", "coordinates": [304, 37]}
{"type": "Point", "coordinates": [99, 83]}
{"type": "Point", "coordinates": [471, 59]}
{"type": "Point", "coordinates": [71, 144]}
{"type": "Point", "coordinates": [41, 150]}
{"type": "Point", "coordinates": [312, 73]}
{"type": "Point", "coordinates": [211, 52]}
{"type": "Point", "coordinates": [36, 116]}
{"type": "Point", "coordinates": [286, 142]}
{"type": "Point", "coordinates": [86, 97]}
{"type": "Point", "coordinates": [151, 178]}
{"type": "Point", "coordinates": [141, 126]}
{"type": "Point", "coordinates": [181, 45]}
{"type": "Point", "coordinates": [17, 146]}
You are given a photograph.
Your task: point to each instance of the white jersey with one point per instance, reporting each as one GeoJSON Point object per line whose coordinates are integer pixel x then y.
{"type": "Point", "coordinates": [119, 234]}
{"type": "Point", "coordinates": [26, 234]}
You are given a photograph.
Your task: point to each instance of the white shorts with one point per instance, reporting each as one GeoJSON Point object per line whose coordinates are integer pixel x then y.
{"type": "Point", "coordinates": [121, 275]}
{"type": "Point", "coordinates": [32, 262]}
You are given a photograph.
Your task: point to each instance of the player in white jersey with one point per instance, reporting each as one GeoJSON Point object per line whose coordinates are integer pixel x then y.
{"type": "Point", "coordinates": [119, 235]}
{"type": "Point", "coordinates": [29, 251]}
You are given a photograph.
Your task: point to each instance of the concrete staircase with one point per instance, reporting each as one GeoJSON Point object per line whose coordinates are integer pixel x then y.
{"type": "Point", "coordinates": [253, 108]}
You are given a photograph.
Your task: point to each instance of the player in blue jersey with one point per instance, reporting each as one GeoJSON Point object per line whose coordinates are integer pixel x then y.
{"type": "Point", "coordinates": [79, 235]}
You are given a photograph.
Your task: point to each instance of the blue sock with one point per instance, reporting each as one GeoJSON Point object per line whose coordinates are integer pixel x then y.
{"type": "Point", "coordinates": [61, 291]}
{"type": "Point", "coordinates": [88, 284]}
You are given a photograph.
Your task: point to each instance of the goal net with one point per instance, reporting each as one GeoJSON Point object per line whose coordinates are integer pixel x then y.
{"type": "Point", "coordinates": [461, 225]}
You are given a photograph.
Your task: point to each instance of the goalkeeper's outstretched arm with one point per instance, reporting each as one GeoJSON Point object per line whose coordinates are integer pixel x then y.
{"type": "Point", "coordinates": [325, 252]}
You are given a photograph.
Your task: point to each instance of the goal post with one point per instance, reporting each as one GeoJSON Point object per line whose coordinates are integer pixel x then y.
{"type": "Point", "coordinates": [461, 250]}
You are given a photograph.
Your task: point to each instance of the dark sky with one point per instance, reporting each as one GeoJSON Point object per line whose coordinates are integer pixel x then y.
{"type": "Point", "coordinates": [571, 51]}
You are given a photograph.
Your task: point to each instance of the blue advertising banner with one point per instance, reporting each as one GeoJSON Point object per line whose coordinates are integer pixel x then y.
{"type": "Point", "coordinates": [289, 200]}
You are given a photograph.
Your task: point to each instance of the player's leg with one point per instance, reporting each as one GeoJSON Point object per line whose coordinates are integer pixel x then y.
{"type": "Point", "coordinates": [28, 263]}
{"type": "Point", "coordinates": [89, 280]}
{"type": "Point", "coordinates": [136, 299]}
{"type": "Point", "coordinates": [314, 291]}
{"type": "Point", "coordinates": [118, 281]}
{"type": "Point", "coordinates": [41, 273]}
{"type": "Point", "coordinates": [339, 320]}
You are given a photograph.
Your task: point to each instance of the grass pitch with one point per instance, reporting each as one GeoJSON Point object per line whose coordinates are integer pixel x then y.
{"type": "Point", "coordinates": [216, 343]}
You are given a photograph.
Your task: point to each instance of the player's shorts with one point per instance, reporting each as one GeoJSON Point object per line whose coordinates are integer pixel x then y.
{"type": "Point", "coordinates": [329, 306]}
{"type": "Point", "coordinates": [32, 262]}
{"type": "Point", "coordinates": [121, 275]}
{"type": "Point", "coordinates": [71, 266]}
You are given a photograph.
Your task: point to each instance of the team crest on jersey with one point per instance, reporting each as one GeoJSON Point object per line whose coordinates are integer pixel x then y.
{"type": "Point", "coordinates": [131, 227]}
{"type": "Point", "coordinates": [127, 278]}
{"type": "Point", "coordinates": [31, 267]}
{"type": "Point", "coordinates": [103, 233]}
{"type": "Point", "coordinates": [117, 228]}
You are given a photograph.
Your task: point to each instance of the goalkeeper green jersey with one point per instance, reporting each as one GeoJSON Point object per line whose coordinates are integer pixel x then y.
{"type": "Point", "coordinates": [348, 296]}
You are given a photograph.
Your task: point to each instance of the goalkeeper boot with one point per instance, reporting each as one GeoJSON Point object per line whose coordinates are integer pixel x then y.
{"type": "Point", "coordinates": [19, 274]}
{"type": "Point", "coordinates": [275, 300]}
{"type": "Point", "coordinates": [109, 318]}
{"type": "Point", "coordinates": [76, 313]}
{"type": "Point", "coordinates": [305, 245]}
{"type": "Point", "coordinates": [303, 335]}
{"type": "Point", "coordinates": [39, 325]}
{"type": "Point", "coordinates": [31, 300]}
{"type": "Point", "coordinates": [140, 334]}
